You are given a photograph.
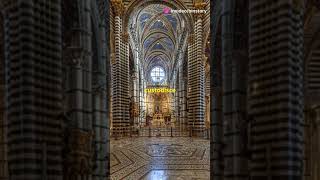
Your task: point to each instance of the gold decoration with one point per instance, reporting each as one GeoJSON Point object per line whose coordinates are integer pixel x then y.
{"type": "Point", "coordinates": [134, 109]}
{"type": "Point", "coordinates": [199, 5]}
{"type": "Point", "coordinates": [118, 7]}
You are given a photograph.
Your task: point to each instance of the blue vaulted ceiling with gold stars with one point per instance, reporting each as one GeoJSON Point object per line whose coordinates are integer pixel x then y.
{"type": "Point", "coordinates": [157, 37]}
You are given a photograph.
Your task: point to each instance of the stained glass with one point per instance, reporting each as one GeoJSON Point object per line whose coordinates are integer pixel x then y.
{"type": "Point", "coordinates": [157, 74]}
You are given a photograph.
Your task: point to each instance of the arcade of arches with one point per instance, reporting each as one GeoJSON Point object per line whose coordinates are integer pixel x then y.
{"type": "Point", "coordinates": [130, 89]}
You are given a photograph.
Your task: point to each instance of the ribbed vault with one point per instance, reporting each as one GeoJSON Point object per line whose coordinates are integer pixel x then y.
{"type": "Point", "coordinates": [157, 37]}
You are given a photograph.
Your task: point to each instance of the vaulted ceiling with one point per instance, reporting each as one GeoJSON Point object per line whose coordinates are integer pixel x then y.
{"type": "Point", "coordinates": [158, 36]}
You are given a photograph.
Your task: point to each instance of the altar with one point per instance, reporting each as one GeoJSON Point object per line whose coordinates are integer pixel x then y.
{"type": "Point", "coordinates": [158, 120]}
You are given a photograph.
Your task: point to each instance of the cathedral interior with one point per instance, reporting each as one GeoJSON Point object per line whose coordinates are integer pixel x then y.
{"type": "Point", "coordinates": [160, 89]}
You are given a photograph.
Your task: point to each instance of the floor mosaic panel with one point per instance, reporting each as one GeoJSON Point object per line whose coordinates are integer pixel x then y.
{"type": "Point", "coordinates": [162, 158]}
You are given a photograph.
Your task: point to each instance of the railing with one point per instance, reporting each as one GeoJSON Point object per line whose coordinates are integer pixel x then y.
{"type": "Point", "coordinates": [164, 132]}
{"type": "Point", "coordinates": [159, 132]}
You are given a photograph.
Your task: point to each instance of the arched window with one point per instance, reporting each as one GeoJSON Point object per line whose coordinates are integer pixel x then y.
{"type": "Point", "coordinates": [157, 74]}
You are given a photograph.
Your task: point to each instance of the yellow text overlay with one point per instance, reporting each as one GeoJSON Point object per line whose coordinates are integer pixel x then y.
{"type": "Point", "coordinates": [160, 90]}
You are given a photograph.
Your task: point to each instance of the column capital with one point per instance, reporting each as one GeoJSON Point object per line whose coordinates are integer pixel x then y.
{"type": "Point", "coordinates": [118, 7]}
{"type": "Point", "coordinates": [199, 4]}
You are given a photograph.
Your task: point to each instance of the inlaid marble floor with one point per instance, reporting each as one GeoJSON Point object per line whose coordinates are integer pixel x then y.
{"type": "Point", "coordinates": [160, 158]}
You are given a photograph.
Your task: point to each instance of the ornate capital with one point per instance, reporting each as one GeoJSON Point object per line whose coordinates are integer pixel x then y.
{"type": "Point", "coordinates": [199, 4]}
{"type": "Point", "coordinates": [118, 7]}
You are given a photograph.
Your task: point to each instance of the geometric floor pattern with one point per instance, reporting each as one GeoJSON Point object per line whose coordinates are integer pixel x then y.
{"type": "Point", "coordinates": [160, 158]}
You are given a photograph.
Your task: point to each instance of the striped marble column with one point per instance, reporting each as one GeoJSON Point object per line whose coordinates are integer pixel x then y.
{"type": "Point", "coordinates": [191, 57]}
{"type": "Point", "coordinates": [137, 85]}
{"type": "Point", "coordinates": [106, 103]}
{"type": "Point", "coordinates": [234, 63]}
{"type": "Point", "coordinates": [176, 96]}
{"type": "Point", "coordinates": [3, 118]}
{"type": "Point", "coordinates": [276, 89]}
{"type": "Point", "coordinates": [172, 100]}
{"type": "Point", "coordinates": [182, 98]}
{"type": "Point", "coordinates": [143, 100]}
{"type": "Point", "coordinates": [79, 94]}
{"type": "Point", "coordinates": [196, 80]}
{"type": "Point", "coordinates": [184, 114]}
{"type": "Point", "coordinates": [136, 92]}
{"type": "Point", "coordinates": [33, 92]}
{"type": "Point", "coordinates": [141, 103]}
{"type": "Point", "coordinates": [99, 107]}
{"type": "Point", "coordinates": [216, 119]}
{"type": "Point", "coordinates": [120, 70]}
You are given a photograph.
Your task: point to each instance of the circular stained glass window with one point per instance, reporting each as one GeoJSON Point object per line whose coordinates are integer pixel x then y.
{"type": "Point", "coordinates": [157, 74]}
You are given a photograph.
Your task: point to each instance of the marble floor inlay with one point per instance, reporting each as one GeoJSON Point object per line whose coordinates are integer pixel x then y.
{"type": "Point", "coordinates": [160, 158]}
